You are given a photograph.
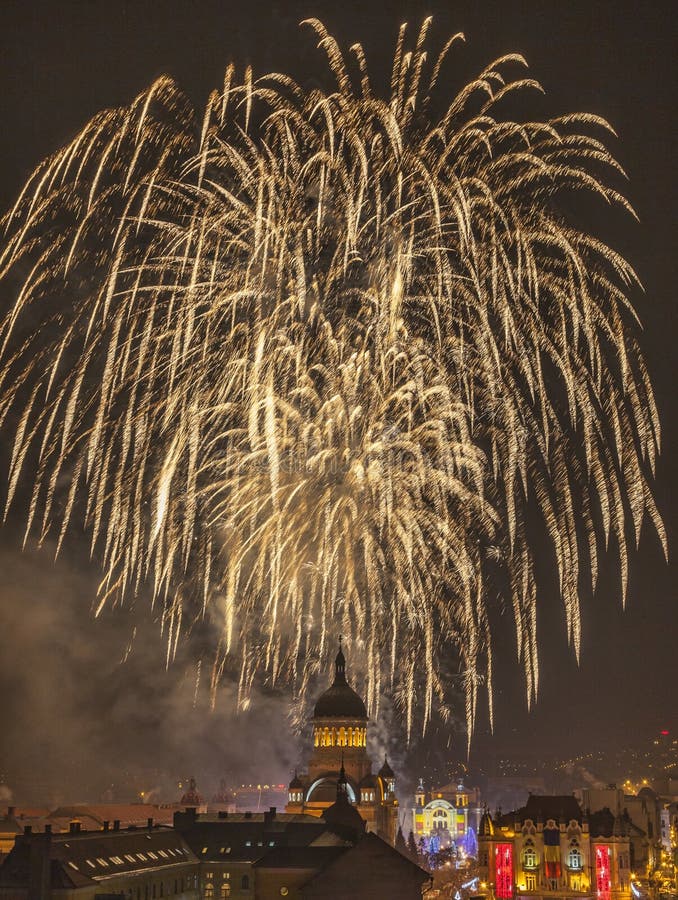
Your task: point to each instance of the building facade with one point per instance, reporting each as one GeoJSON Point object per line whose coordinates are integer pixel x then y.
{"type": "Point", "coordinates": [447, 816]}
{"type": "Point", "coordinates": [549, 848]}
{"type": "Point", "coordinates": [339, 730]}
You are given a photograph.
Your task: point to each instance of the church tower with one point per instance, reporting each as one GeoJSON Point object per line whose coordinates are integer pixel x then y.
{"type": "Point", "coordinates": [339, 759]}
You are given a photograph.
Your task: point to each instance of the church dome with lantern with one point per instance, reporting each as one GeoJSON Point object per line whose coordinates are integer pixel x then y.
{"type": "Point", "coordinates": [338, 783]}
{"type": "Point", "coordinates": [340, 700]}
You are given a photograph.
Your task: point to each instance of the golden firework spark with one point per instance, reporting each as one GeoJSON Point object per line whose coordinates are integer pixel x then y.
{"type": "Point", "coordinates": [308, 358]}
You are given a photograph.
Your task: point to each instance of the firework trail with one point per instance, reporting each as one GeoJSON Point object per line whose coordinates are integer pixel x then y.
{"type": "Point", "coordinates": [303, 363]}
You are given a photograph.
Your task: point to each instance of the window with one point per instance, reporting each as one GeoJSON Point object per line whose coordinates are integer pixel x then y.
{"type": "Point", "coordinates": [574, 858]}
{"type": "Point", "coordinates": [529, 858]}
{"type": "Point", "coordinates": [73, 865]}
{"type": "Point", "coordinates": [209, 891]}
{"type": "Point", "coordinates": [530, 882]}
{"type": "Point", "coordinates": [283, 891]}
{"type": "Point", "coordinates": [245, 882]}
{"type": "Point", "coordinates": [225, 890]}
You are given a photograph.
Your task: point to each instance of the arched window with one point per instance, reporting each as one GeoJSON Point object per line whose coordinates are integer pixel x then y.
{"type": "Point", "coordinates": [326, 737]}
{"type": "Point", "coordinates": [342, 736]}
{"type": "Point", "coordinates": [245, 883]}
{"type": "Point", "coordinates": [209, 891]}
{"type": "Point", "coordinates": [225, 891]}
{"type": "Point", "coordinates": [530, 860]}
{"type": "Point", "coordinates": [574, 858]}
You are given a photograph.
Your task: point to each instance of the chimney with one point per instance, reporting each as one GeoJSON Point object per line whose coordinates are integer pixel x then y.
{"type": "Point", "coordinates": [149, 823]}
{"type": "Point", "coordinates": [72, 829]}
{"type": "Point", "coordinates": [10, 811]}
{"type": "Point", "coordinates": [48, 829]}
{"type": "Point", "coordinates": [28, 829]}
{"type": "Point", "coordinates": [270, 815]}
{"type": "Point", "coordinates": [105, 825]}
{"type": "Point", "coordinates": [116, 824]}
{"type": "Point", "coordinates": [248, 815]}
{"type": "Point", "coordinates": [223, 814]}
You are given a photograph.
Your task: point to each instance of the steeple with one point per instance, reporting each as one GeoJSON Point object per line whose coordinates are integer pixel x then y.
{"type": "Point", "coordinates": [342, 782]}
{"type": "Point", "coordinates": [340, 666]}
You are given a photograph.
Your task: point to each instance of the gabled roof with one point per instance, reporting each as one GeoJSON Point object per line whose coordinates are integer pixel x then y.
{"type": "Point", "coordinates": [84, 858]}
{"type": "Point", "coordinates": [364, 870]}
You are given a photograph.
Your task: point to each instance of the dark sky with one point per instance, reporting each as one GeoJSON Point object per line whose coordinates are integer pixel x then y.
{"type": "Point", "coordinates": [60, 62]}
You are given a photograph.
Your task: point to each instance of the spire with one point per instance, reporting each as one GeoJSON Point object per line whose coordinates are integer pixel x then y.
{"type": "Point", "coordinates": [342, 783]}
{"type": "Point", "coordinates": [340, 666]}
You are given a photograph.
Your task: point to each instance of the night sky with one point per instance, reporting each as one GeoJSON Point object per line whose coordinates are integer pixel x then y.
{"type": "Point", "coordinates": [61, 62]}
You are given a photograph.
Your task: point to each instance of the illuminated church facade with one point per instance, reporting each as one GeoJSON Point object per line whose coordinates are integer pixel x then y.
{"type": "Point", "coordinates": [447, 816]}
{"type": "Point", "coordinates": [339, 729]}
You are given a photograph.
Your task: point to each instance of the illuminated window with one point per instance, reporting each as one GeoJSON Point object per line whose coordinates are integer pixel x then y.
{"type": "Point", "coordinates": [225, 890]}
{"type": "Point", "coordinates": [73, 866]}
{"type": "Point", "coordinates": [129, 858]}
{"type": "Point", "coordinates": [530, 860]}
{"type": "Point", "coordinates": [209, 891]}
{"type": "Point", "coordinates": [530, 882]}
{"type": "Point", "coordinates": [152, 854]}
{"type": "Point", "coordinates": [283, 891]}
{"type": "Point", "coordinates": [90, 863]}
{"type": "Point", "coordinates": [503, 871]}
{"type": "Point", "coordinates": [603, 872]}
{"type": "Point", "coordinates": [163, 854]}
{"type": "Point", "coordinates": [574, 858]}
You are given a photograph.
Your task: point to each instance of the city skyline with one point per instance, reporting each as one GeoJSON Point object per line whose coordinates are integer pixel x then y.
{"type": "Point", "coordinates": [62, 64]}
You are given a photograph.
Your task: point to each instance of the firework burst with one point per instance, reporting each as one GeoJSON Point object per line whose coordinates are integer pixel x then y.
{"type": "Point", "coordinates": [304, 363]}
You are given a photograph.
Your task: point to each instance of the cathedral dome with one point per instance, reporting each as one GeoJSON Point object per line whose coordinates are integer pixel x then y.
{"type": "Point", "coordinates": [340, 701]}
